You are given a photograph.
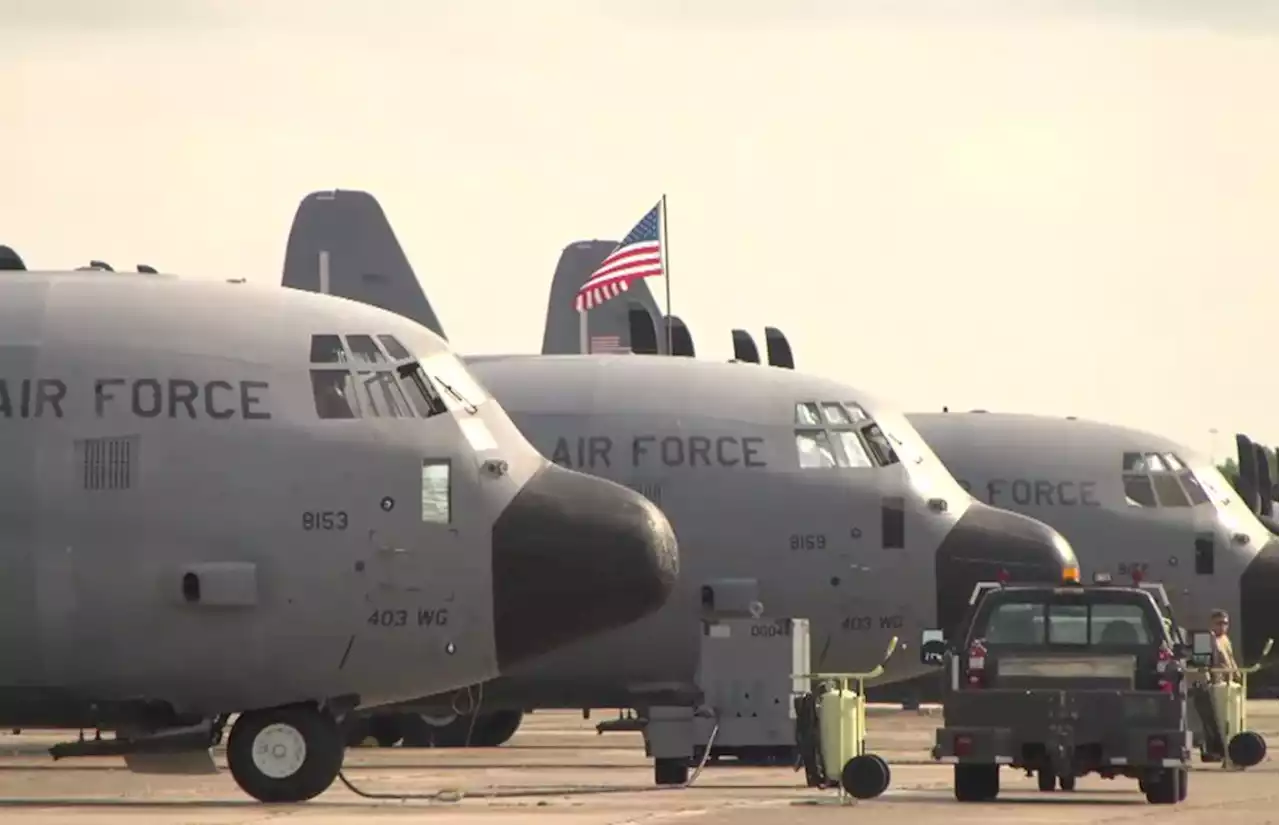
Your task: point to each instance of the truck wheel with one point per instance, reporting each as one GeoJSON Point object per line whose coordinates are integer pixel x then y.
{"type": "Point", "coordinates": [1247, 749]}
{"type": "Point", "coordinates": [977, 783]}
{"type": "Point", "coordinates": [670, 771]}
{"type": "Point", "coordinates": [865, 776]}
{"type": "Point", "coordinates": [1046, 779]}
{"type": "Point", "coordinates": [288, 754]}
{"type": "Point", "coordinates": [1167, 787]}
{"type": "Point", "coordinates": [1067, 783]}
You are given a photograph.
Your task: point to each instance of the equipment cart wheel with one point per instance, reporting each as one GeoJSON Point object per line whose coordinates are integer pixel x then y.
{"type": "Point", "coordinates": [1167, 787]}
{"type": "Point", "coordinates": [1046, 779]}
{"type": "Point", "coordinates": [1246, 749]}
{"type": "Point", "coordinates": [865, 776]}
{"type": "Point", "coordinates": [977, 783]}
{"type": "Point", "coordinates": [1067, 783]}
{"type": "Point", "coordinates": [670, 771]}
{"type": "Point", "coordinates": [288, 754]}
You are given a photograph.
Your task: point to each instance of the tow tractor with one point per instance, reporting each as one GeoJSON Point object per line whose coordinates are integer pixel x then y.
{"type": "Point", "coordinates": [1063, 680]}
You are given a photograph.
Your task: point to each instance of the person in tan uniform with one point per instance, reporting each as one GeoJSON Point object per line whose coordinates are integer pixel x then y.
{"type": "Point", "coordinates": [1224, 656]}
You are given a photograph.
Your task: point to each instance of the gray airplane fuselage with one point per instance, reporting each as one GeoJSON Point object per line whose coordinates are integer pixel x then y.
{"type": "Point", "coordinates": [182, 536]}
{"type": "Point", "coordinates": [1184, 527]}
{"type": "Point", "coordinates": [716, 446]}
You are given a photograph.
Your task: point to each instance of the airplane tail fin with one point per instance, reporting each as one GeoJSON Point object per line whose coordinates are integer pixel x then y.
{"type": "Point", "coordinates": [744, 347]}
{"type": "Point", "coordinates": [341, 243]}
{"type": "Point", "coordinates": [627, 323]}
{"type": "Point", "coordinates": [778, 349]}
{"type": "Point", "coordinates": [681, 339]}
{"type": "Point", "coordinates": [10, 260]}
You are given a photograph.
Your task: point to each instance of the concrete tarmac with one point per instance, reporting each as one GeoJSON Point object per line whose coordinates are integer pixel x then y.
{"type": "Point", "coordinates": [555, 752]}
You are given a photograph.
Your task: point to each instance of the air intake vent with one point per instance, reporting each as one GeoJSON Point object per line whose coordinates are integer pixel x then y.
{"type": "Point", "coordinates": [108, 463]}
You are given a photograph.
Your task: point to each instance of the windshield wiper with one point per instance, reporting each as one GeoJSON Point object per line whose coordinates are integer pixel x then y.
{"type": "Point", "coordinates": [467, 405]}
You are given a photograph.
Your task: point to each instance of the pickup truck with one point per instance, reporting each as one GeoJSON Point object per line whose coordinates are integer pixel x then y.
{"type": "Point", "coordinates": [1063, 681]}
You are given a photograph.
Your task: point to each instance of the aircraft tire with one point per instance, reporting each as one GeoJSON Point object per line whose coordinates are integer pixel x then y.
{"type": "Point", "coordinates": [496, 729]}
{"type": "Point", "coordinates": [288, 754]}
{"type": "Point", "coordinates": [976, 783]}
{"type": "Point", "coordinates": [1046, 780]}
{"type": "Point", "coordinates": [1067, 783]}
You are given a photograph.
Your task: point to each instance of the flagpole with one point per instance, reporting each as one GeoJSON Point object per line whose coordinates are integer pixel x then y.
{"type": "Point", "coordinates": [666, 270]}
{"type": "Point", "coordinates": [583, 343]}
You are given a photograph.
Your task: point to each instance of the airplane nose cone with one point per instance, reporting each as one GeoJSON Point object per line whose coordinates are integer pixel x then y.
{"type": "Point", "coordinates": [1258, 607]}
{"type": "Point", "coordinates": [987, 540]}
{"type": "Point", "coordinates": [575, 555]}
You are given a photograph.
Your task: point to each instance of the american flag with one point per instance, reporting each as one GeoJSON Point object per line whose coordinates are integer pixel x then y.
{"type": "Point", "coordinates": [638, 256]}
{"type": "Point", "coordinates": [607, 343]}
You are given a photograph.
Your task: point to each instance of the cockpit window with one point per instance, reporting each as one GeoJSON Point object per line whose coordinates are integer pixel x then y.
{"type": "Point", "coordinates": [856, 412]}
{"type": "Point", "coordinates": [365, 350]}
{"type": "Point", "coordinates": [807, 414]}
{"type": "Point", "coordinates": [1168, 491]}
{"type": "Point", "coordinates": [327, 349]}
{"type": "Point", "coordinates": [394, 348]}
{"type": "Point", "coordinates": [814, 448]}
{"type": "Point", "coordinates": [1160, 480]}
{"type": "Point", "coordinates": [835, 414]}
{"type": "Point", "coordinates": [840, 434]}
{"type": "Point", "coordinates": [852, 448]}
{"type": "Point", "coordinates": [1195, 492]}
{"type": "Point", "coordinates": [378, 389]}
{"type": "Point", "coordinates": [335, 394]}
{"type": "Point", "coordinates": [454, 382]}
{"type": "Point", "coordinates": [1138, 490]}
{"type": "Point", "coordinates": [385, 398]}
{"type": "Point", "coordinates": [879, 445]}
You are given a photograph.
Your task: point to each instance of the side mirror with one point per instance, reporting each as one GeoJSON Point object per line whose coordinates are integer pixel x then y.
{"type": "Point", "coordinates": [933, 648]}
{"type": "Point", "coordinates": [1202, 648]}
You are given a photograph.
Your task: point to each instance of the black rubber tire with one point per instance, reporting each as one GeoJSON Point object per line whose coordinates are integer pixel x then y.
{"type": "Point", "coordinates": [1168, 787]}
{"type": "Point", "coordinates": [670, 771]}
{"type": "Point", "coordinates": [320, 765]}
{"type": "Point", "coordinates": [355, 730]}
{"type": "Point", "coordinates": [385, 728]}
{"type": "Point", "coordinates": [864, 776]}
{"type": "Point", "coordinates": [1247, 749]}
{"type": "Point", "coordinates": [1067, 783]}
{"type": "Point", "coordinates": [495, 729]}
{"type": "Point", "coordinates": [977, 783]}
{"type": "Point", "coordinates": [417, 732]}
{"type": "Point", "coordinates": [888, 772]}
{"type": "Point", "coordinates": [1046, 780]}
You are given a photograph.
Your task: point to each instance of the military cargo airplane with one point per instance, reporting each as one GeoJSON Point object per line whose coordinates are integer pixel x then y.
{"type": "Point", "coordinates": [222, 500]}
{"type": "Point", "coordinates": [1128, 501]}
{"type": "Point", "coordinates": [791, 495]}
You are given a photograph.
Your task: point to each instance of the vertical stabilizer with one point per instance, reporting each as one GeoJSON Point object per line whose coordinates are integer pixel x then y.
{"type": "Point", "coordinates": [681, 339]}
{"type": "Point", "coordinates": [362, 258]}
{"type": "Point", "coordinates": [10, 260]}
{"type": "Point", "coordinates": [744, 347]}
{"type": "Point", "coordinates": [609, 324]}
{"type": "Point", "coordinates": [778, 349]}
{"type": "Point", "coordinates": [1265, 488]}
{"type": "Point", "coordinates": [1247, 466]}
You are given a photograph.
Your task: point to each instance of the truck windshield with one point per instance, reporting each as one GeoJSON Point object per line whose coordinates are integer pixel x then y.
{"type": "Point", "coordinates": [1075, 623]}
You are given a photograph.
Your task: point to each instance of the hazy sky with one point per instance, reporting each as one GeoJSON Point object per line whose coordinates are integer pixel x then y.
{"type": "Point", "coordinates": [1057, 207]}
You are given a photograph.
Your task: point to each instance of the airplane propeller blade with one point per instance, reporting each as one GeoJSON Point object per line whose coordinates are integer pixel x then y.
{"type": "Point", "coordinates": [744, 347]}
{"type": "Point", "coordinates": [1247, 465]}
{"type": "Point", "coordinates": [10, 260]}
{"type": "Point", "coordinates": [644, 333]}
{"type": "Point", "coordinates": [681, 339]}
{"type": "Point", "coordinates": [778, 349]}
{"type": "Point", "coordinates": [1265, 486]}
